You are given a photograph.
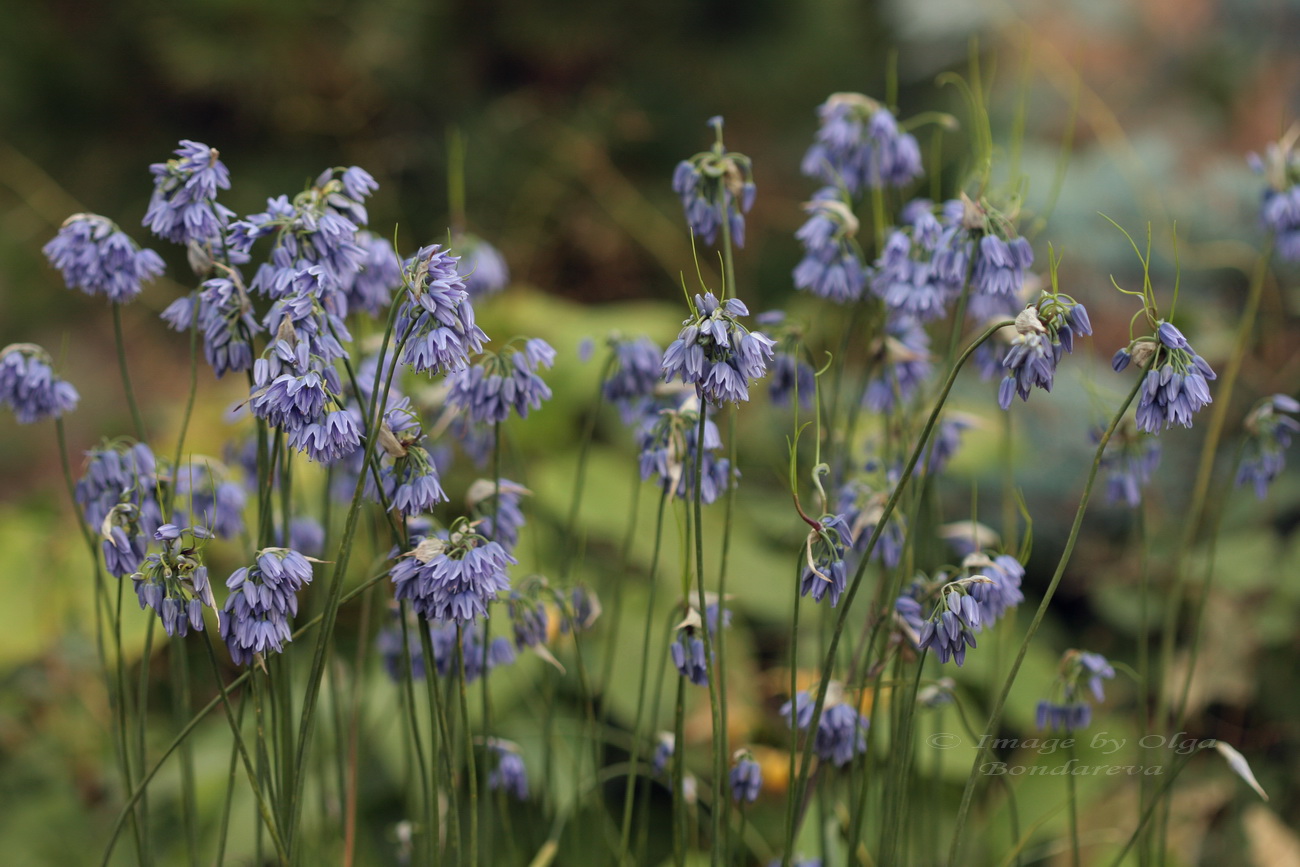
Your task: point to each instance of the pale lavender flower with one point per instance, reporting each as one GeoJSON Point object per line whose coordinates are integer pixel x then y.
{"type": "Point", "coordinates": [174, 582]}
{"type": "Point", "coordinates": [29, 386]}
{"type": "Point", "coordinates": [860, 145]}
{"type": "Point", "coordinates": [826, 571]}
{"type": "Point", "coordinates": [510, 773]}
{"type": "Point", "coordinates": [746, 779]}
{"type": "Point", "coordinates": [501, 382]}
{"type": "Point", "coordinates": [452, 579]}
{"type": "Point", "coordinates": [184, 208]}
{"type": "Point", "coordinates": [715, 185]}
{"type": "Point", "coordinates": [485, 269]}
{"type": "Point", "coordinates": [633, 375]}
{"type": "Point", "coordinates": [263, 597]}
{"type": "Point", "coordinates": [1268, 436]}
{"type": "Point", "coordinates": [717, 354]}
{"type": "Point", "coordinates": [952, 627]}
{"type": "Point", "coordinates": [98, 258]}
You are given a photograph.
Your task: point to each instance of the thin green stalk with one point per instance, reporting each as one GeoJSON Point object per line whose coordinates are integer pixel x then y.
{"type": "Point", "coordinates": [800, 780]}
{"type": "Point", "coordinates": [141, 725]}
{"type": "Point", "coordinates": [224, 831]}
{"type": "Point", "coordinates": [136, 793]}
{"type": "Point", "coordinates": [580, 477]}
{"type": "Point", "coordinates": [896, 808]}
{"type": "Point", "coordinates": [679, 776]}
{"type": "Point", "coordinates": [413, 720]}
{"type": "Point", "coordinates": [440, 734]}
{"type": "Point", "coordinates": [471, 774]}
{"type": "Point", "coordinates": [180, 713]}
{"type": "Point", "coordinates": [1144, 661]}
{"type": "Point", "coordinates": [995, 718]}
{"type": "Point", "coordinates": [1072, 798]}
{"type": "Point", "coordinates": [790, 800]}
{"type": "Point", "coordinates": [629, 794]}
{"type": "Point", "coordinates": [722, 805]}
{"type": "Point", "coordinates": [136, 418]}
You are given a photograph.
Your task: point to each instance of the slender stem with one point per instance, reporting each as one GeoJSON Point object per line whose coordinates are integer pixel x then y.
{"type": "Point", "coordinates": [180, 713]}
{"type": "Point", "coordinates": [413, 718]}
{"type": "Point", "coordinates": [995, 717]}
{"type": "Point", "coordinates": [790, 800]}
{"type": "Point", "coordinates": [471, 775]}
{"type": "Point", "coordinates": [580, 477]}
{"type": "Point", "coordinates": [136, 418]}
{"type": "Point", "coordinates": [722, 804]}
{"type": "Point", "coordinates": [1072, 799]}
{"type": "Point", "coordinates": [142, 724]}
{"type": "Point", "coordinates": [224, 831]}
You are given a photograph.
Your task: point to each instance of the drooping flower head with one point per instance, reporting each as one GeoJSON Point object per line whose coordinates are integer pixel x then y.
{"type": "Point", "coordinates": [902, 364]}
{"type": "Point", "coordinates": [448, 656]}
{"type": "Point", "coordinates": [184, 207]}
{"type": "Point", "coordinates": [633, 374]}
{"type": "Point", "coordinates": [790, 373]}
{"type": "Point", "coordinates": [204, 495]}
{"type": "Point", "coordinates": [120, 473]}
{"type": "Point", "coordinates": [1130, 460]}
{"type": "Point", "coordinates": [667, 441]}
{"type": "Point", "coordinates": [1068, 708]}
{"type": "Point", "coordinates": [825, 570]}
{"type": "Point", "coordinates": [999, 591]}
{"type": "Point", "coordinates": [861, 502]}
{"type": "Point", "coordinates": [841, 731]}
{"type": "Point", "coordinates": [485, 269]}
{"type": "Point", "coordinates": [1044, 331]}
{"type": "Point", "coordinates": [953, 622]}
{"type": "Point", "coordinates": [832, 266]}
{"type": "Point", "coordinates": [174, 581]}
{"type": "Point", "coordinates": [687, 650]}
{"type": "Point", "coordinates": [510, 773]}
{"type": "Point", "coordinates": [860, 146]}
{"type": "Point", "coordinates": [716, 185]}
{"type": "Point", "coordinates": [1176, 384]}
{"type": "Point", "coordinates": [29, 386]}
{"type": "Point", "coordinates": [495, 508]}
{"type": "Point", "coordinates": [223, 313]}
{"type": "Point", "coordinates": [922, 266]}
{"type": "Point", "coordinates": [452, 576]}
{"type": "Point", "coordinates": [746, 777]}
{"type": "Point", "coordinates": [436, 313]}
{"type": "Point", "coordinates": [1280, 205]}
{"type": "Point", "coordinates": [1268, 436]}
{"type": "Point", "coordinates": [98, 258]}
{"type": "Point", "coordinates": [263, 597]}
{"type": "Point", "coordinates": [500, 382]}
{"type": "Point", "coordinates": [716, 353]}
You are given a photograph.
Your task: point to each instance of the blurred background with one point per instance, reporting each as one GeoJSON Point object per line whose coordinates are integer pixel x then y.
{"type": "Point", "coordinates": [575, 114]}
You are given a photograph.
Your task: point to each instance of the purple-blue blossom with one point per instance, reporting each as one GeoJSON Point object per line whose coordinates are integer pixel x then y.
{"type": "Point", "coordinates": [1269, 434]}
{"type": "Point", "coordinates": [713, 186]}
{"type": "Point", "coordinates": [633, 374]}
{"type": "Point", "coordinates": [29, 386]}
{"type": "Point", "coordinates": [174, 581]}
{"type": "Point", "coordinates": [501, 382]}
{"type": "Point", "coordinates": [263, 597]}
{"type": "Point", "coordinates": [832, 266]}
{"type": "Point", "coordinates": [860, 145]}
{"type": "Point", "coordinates": [486, 272]}
{"type": "Point", "coordinates": [436, 314]}
{"type": "Point", "coordinates": [746, 779]}
{"type": "Point", "coordinates": [902, 364]}
{"type": "Point", "coordinates": [666, 441]}
{"type": "Point", "coordinates": [825, 570]}
{"type": "Point", "coordinates": [1176, 384]}
{"type": "Point", "coordinates": [510, 774]}
{"type": "Point", "coordinates": [184, 208]}
{"type": "Point", "coordinates": [98, 258]}
{"type": "Point", "coordinates": [452, 578]}
{"type": "Point", "coordinates": [952, 626]}
{"type": "Point", "coordinates": [717, 354]}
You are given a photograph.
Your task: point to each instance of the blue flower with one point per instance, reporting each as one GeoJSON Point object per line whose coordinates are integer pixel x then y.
{"type": "Point", "coordinates": [501, 382]}
{"type": "Point", "coordinates": [204, 497]}
{"type": "Point", "coordinates": [667, 443]}
{"type": "Point", "coordinates": [1280, 205]}
{"type": "Point", "coordinates": [379, 275]}
{"type": "Point", "coordinates": [225, 318]}
{"type": "Point", "coordinates": [902, 364]}
{"type": "Point", "coordinates": [1268, 435]}
{"type": "Point", "coordinates": [1130, 460]}
{"type": "Point", "coordinates": [790, 374]}
{"type": "Point", "coordinates": [832, 266]}
{"type": "Point", "coordinates": [711, 184]}
{"type": "Point", "coordinates": [486, 272]}
{"type": "Point", "coordinates": [174, 582]}
{"type": "Point", "coordinates": [262, 599]}
{"type": "Point", "coordinates": [841, 731]}
{"type": "Point", "coordinates": [952, 626]}
{"type": "Point", "coordinates": [328, 439]}
{"type": "Point", "coordinates": [916, 274]}
{"type": "Point", "coordinates": [437, 315]}
{"type": "Point", "coordinates": [746, 778]}
{"type": "Point", "coordinates": [687, 650]}
{"type": "Point", "coordinates": [452, 578]}
{"type": "Point", "coordinates": [1000, 592]}
{"type": "Point", "coordinates": [183, 208]}
{"type": "Point", "coordinates": [1068, 710]}
{"type": "Point", "coordinates": [1176, 386]}
{"type": "Point", "coordinates": [825, 571]}
{"type": "Point", "coordinates": [1000, 266]}
{"type": "Point", "coordinates": [717, 354]}
{"type": "Point", "coordinates": [1063, 717]}
{"type": "Point", "coordinates": [124, 540]}
{"type": "Point", "coordinates": [1043, 332]}
{"type": "Point", "coordinates": [29, 387]}
{"type": "Point", "coordinates": [861, 506]}
{"type": "Point", "coordinates": [529, 620]}
{"type": "Point", "coordinates": [859, 144]}
{"type": "Point", "coordinates": [120, 474]}
{"type": "Point", "coordinates": [98, 258]}
{"type": "Point", "coordinates": [633, 375]}
{"type": "Point", "coordinates": [411, 483]}
{"type": "Point", "coordinates": [510, 773]}
{"type": "Point", "coordinates": [495, 508]}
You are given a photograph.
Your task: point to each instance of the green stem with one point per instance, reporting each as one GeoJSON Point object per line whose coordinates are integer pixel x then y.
{"type": "Point", "coordinates": [580, 478]}
{"type": "Point", "coordinates": [471, 774]}
{"type": "Point", "coordinates": [180, 713]}
{"type": "Point", "coordinates": [995, 718]}
{"type": "Point", "coordinates": [413, 719]}
{"type": "Point", "coordinates": [136, 418]}
{"type": "Point", "coordinates": [1071, 797]}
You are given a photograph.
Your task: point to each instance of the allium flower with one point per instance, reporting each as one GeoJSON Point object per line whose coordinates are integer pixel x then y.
{"type": "Point", "coordinates": [124, 541]}
{"type": "Point", "coordinates": [952, 626]}
{"type": "Point", "coordinates": [859, 144]}
{"type": "Point", "coordinates": [445, 654]}
{"type": "Point", "coordinates": [495, 507]}
{"type": "Point", "coordinates": [1176, 384]}
{"type": "Point", "coordinates": [746, 778]}
{"type": "Point", "coordinates": [825, 571]}
{"type": "Point", "coordinates": [98, 258]}
{"type": "Point", "coordinates": [174, 583]}
{"type": "Point", "coordinates": [529, 620]}
{"type": "Point", "coordinates": [1280, 206]}
{"type": "Point", "coordinates": [841, 731]}
{"type": "Point", "coordinates": [501, 382]}
{"type": "Point", "coordinates": [225, 317]}
{"type": "Point", "coordinates": [717, 354]}
{"type": "Point", "coordinates": [919, 273]}
{"type": "Point", "coordinates": [379, 275]}
{"type": "Point", "coordinates": [1043, 332]}
{"type": "Point", "coordinates": [486, 272]}
{"type": "Point", "coordinates": [633, 375]}
{"type": "Point", "coordinates": [582, 608]}
{"type": "Point", "coordinates": [902, 364]}
{"type": "Point", "coordinates": [120, 474]}
{"type": "Point", "coordinates": [1000, 266]}
{"type": "Point", "coordinates": [262, 599]}
{"type": "Point", "coordinates": [1068, 710]}
{"type": "Point", "coordinates": [1000, 592]}
{"type": "Point", "coordinates": [29, 387]}
{"type": "Point", "coordinates": [667, 444]}
{"type": "Point", "coordinates": [1130, 460]}
{"type": "Point", "coordinates": [832, 265]}
{"type": "Point", "coordinates": [411, 483]}
{"type": "Point", "coordinates": [183, 208]}
{"type": "Point", "coordinates": [862, 507]}
{"type": "Point", "coordinates": [1268, 435]}
{"type": "Point", "coordinates": [710, 185]}
{"type": "Point", "coordinates": [687, 649]}
{"type": "Point", "coordinates": [203, 496]}
{"type": "Point", "coordinates": [510, 773]}
{"type": "Point", "coordinates": [436, 313]}
{"type": "Point", "coordinates": [452, 578]}
{"type": "Point", "coordinates": [328, 439]}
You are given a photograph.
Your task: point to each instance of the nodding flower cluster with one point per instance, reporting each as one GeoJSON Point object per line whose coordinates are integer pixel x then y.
{"type": "Point", "coordinates": [1176, 383]}
{"type": "Point", "coordinates": [746, 777]}
{"type": "Point", "coordinates": [1069, 709]}
{"type": "Point", "coordinates": [1279, 211]}
{"type": "Point", "coordinates": [435, 315]}
{"type": "Point", "coordinates": [485, 269]}
{"type": "Point", "coordinates": [262, 599]}
{"type": "Point", "coordinates": [184, 208]}
{"type": "Point", "coordinates": [452, 576]}
{"type": "Point", "coordinates": [717, 354]}
{"type": "Point", "coordinates": [687, 651]}
{"type": "Point", "coordinates": [29, 387]}
{"type": "Point", "coordinates": [98, 258]}
{"type": "Point", "coordinates": [667, 442]}
{"type": "Point", "coordinates": [903, 364]}
{"type": "Point", "coordinates": [500, 382]}
{"type": "Point", "coordinates": [841, 731]}
{"type": "Point", "coordinates": [1130, 461]}
{"type": "Point", "coordinates": [174, 582]}
{"type": "Point", "coordinates": [716, 185]}
{"type": "Point", "coordinates": [633, 375]}
{"type": "Point", "coordinates": [860, 146]}
{"type": "Point", "coordinates": [1268, 436]}
{"type": "Point", "coordinates": [832, 266]}
{"type": "Point", "coordinates": [825, 570]}
{"type": "Point", "coordinates": [510, 774]}
{"type": "Point", "coordinates": [990, 588]}
{"type": "Point", "coordinates": [448, 655]}
{"type": "Point", "coordinates": [1043, 332]}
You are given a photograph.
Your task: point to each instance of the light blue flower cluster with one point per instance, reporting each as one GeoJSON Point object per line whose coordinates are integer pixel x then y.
{"type": "Point", "coordinates": [1069, 709]}
{"type": "Point", "coordinates": [716, 185]}
{"type": "Point", "coordinates": [633, 375]}
{"type": "Point", "coordinates": [435, 315]}
{"type": "Point", "coordinates": [667, 444]}
{"type": "Point", "coordinates": [687, 650]}
{"type": "Point", "coordinates": [1044, 331]}
{"type": "Point", "coordinates": [509, 775]}
{"type": "Point", "coordinates": [717, 354]}
{"type": "Point", "coordinates": [500, 382]}
{"type": "Point", "coordinates": [826, 571]}
{"type": "Point", "coordinates": [495, 510]}
{"type": "Point", "coordinates": [1279, 211]}
{"type": "Point", "coordinates": [860, 146]}
{"type": "Point", "coordinates": [29, 386]}
{"type": "Point", "coordinates": [98, 258]}
{"type": "Point", "coordinates": [485, 269]}
{"type": "Point", "coordinates": [184, 207]}
{"type": "Point", "coordinates": [452, 576]}
{"type": "Point", "coordinates": [262, 599]}
{"type": "Point", "coordinates": [902, 364]}
{"type": "Point", "coordinates": [746, 778]}
{"type": "Point", "coordinates": [174, 582]}
{"type": "Point", "coordinates": [841, 731]}
{"type": "Point", "coordinates": [1176, 385]}
{"type": "Point", "coordinates": [832, 266]}
{"type": "Point", "coordinates": [1268, 436]}
{"type": "Point", "coordinates": [1130, 461]}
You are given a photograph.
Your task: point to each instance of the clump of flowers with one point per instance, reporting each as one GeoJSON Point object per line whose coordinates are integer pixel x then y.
{"type": "Point", "coordinates": [262, 599]}
{"type": "Point", "coordinates": [486, 272]}
{"type": "Point", "coordinates": [452, 576]}
{"type": "Point", "coordinates": [687, 650]}
{"type": "Point", "coordinates": [501, 382]}
{"type": "Point", "coordinates": [1130, 461]}
{"type": "Point", "coordinates": [860, 146]}
{"type": "Point", "coordinates": [1043, 332]}
{"type": "Point", "coordinates": [174, 582]}
{"type": "Point", "coordinates": [633, 374]}
{"type": "Point", "coordinates": [841, 732]}
{"type": "Point", "coordinates": [951, 627]}
{"type": "Point", "coordinates": [716, 185]}
{"type": "Point", "coordinates": [1176, 385]}
{"type": "Point", "coordinates": [832, 266]}
{"type": "Point", "coordinates": [98, 258]}
{"type": "Point", "coordinates": [1268, 436]}
{"type": "Point", "coordinates": [716, 353]}
{"type": "Point", "coordinates": [29, 386]}
{"type": "Point", "coordinates": [1279, 211]}
{"type": "Point", "coordinates": [825, 571]}
{"type": "Point", "coordinates": [746, 777]}
{"type": "Point", "coordinates": [495, 508]}
{"type": "Point", "coordinates": [862, 506]}
{"type": "Point", "coordinates": [510, 774]}
{"type": "Point", "coordinates": [1068, 709]}
{"type": "Point", "coordinates": [667, 441]}
{"type": "Point", "coordinates": [436, 315]}
{"type": "Point", "coordinates": [902, 364]}
{"type": "Point", "coordinates": [120, 473]}
{"type": "Point", "coordinates": [184, 208]}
